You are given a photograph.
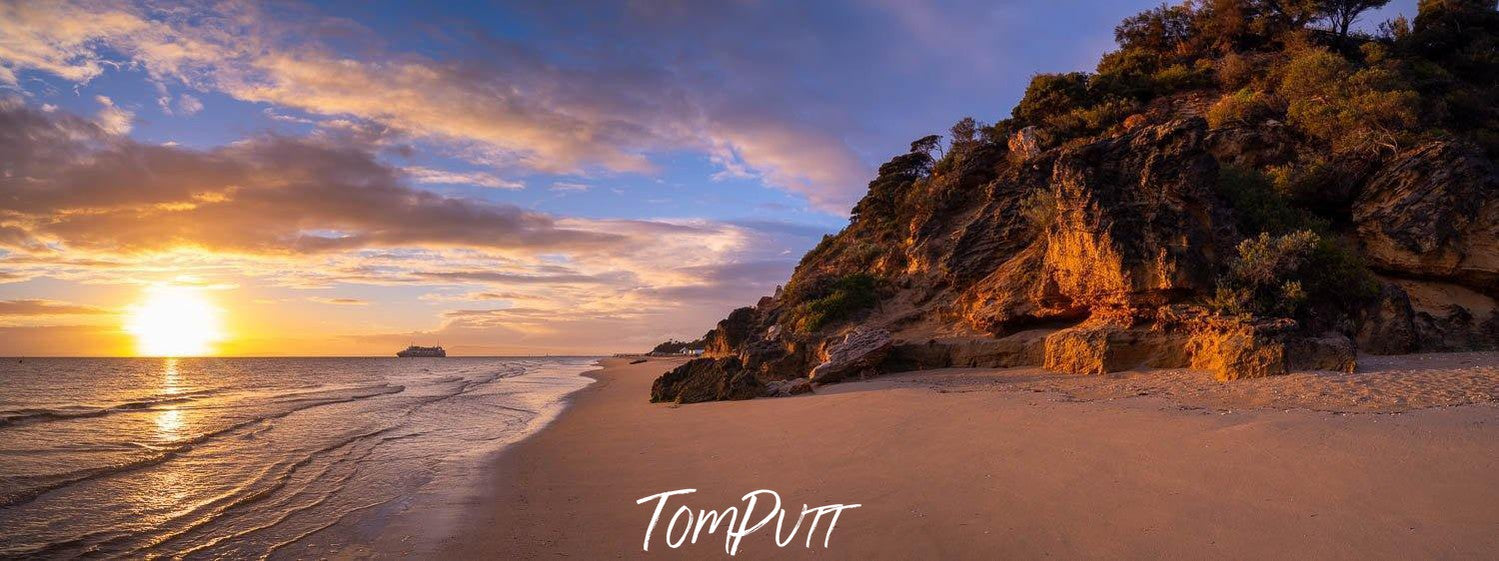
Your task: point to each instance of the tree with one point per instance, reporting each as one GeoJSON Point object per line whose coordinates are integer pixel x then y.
{"type": "Point", "coordinates": [926, 144]}
{"type": "Point", "coordinates": [1354, 110]}
{"type": "Point", "coordinates": [1052, 94]}
{"type": "Point", "coordinates": [1293, 14]}
{"type": "Point", "coordinates": [964, 132]}
{"type": "Point", "coordinates": [1341, 14]}
{"type": "Point", "coordinates": [1160, 30]}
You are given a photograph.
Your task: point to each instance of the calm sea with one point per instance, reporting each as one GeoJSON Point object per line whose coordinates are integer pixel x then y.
{"type": "Point", "coordinates": [247, 457]}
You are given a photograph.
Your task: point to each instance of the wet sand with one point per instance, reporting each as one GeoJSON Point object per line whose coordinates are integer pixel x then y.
{"type": "Point", "coordinates": [1396, 462]}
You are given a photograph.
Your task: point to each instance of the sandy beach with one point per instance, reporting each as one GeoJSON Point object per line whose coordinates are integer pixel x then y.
{"type": "Point", "coordinates": [1394, 462]}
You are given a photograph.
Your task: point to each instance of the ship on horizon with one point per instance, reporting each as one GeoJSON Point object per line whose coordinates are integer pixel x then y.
{"type": "Point", "coordinates": [415, 351]}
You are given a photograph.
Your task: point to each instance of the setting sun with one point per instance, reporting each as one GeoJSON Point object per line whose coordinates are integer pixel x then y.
{"type": "Point", "coordinates": [174, 321]}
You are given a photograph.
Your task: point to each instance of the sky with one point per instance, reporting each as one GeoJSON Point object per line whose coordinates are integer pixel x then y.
{"type": "Point", "coordinates": [349, 177]}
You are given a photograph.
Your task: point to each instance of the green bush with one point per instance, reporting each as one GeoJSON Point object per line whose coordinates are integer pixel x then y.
{"type": "Point", "coordinates": [1244, 107]}
{"type": "Point", "coordinates": [1039, 208]}
{"type": "Point", "coordinates": [1052, 94]}
{"type": "Point", "coordinates": [842, 298]}
{"type": "Point", "coordinates": [1263, 280]}
{"type": "Point", "coordinates": [1353, 110]}
{"type": "Point", "coordinates": [1257, 205]}
{"type": "Point", "coordinates": [1293, 275]}
{"type": "Point", "coordinates": [1179, 77]}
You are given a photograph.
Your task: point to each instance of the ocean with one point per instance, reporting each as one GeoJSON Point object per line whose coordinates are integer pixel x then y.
{"type": "Point", "coordinates": [249, 457]}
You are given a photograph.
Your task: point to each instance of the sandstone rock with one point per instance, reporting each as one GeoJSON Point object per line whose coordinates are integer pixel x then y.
{"type": "Point", "coordinates": [1084, 351]}
{"type": "Point", "coordinates": [1386, 327]}
{"type": "Point", "coordinates": [732, 332]}
{"type": "Point", "coordinates": [1433, 212]}
{"type": "Point", "coordinates": [1026, 143]}
{"type": "Point", "coordinates": [860, 351]}
{"type": "Point", "coordinates": [1136, 220]}
{"type": "Point", "coordinates": [1238, 352]}
{"type": "Point", "coordinates": [1450, 317]}
{"type": "Point", "coordinates": [1332, 352]}
{"type": "Point", "coordinates": [784, 388]}
{"type": "Point", "coordinates": [1026, 348]}
{"type": "Point", "coordinates": [1255, 147]}
{"type": "Point", "coordinates": [706, 379]}
{"type": "Point", "coordinates": [1108, 348]}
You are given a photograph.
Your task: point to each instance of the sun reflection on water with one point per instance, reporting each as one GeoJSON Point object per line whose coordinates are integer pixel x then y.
{"type": "Point", "coordinates": [169, 418]}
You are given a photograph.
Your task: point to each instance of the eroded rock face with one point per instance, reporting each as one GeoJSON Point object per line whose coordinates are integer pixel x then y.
{"type": "Point", "coordinates": [1101, 349]}
{"type": "Point", "coordinates": [787, 388]}
{"type": "Point", "coordinates": [1136, 219]}
{"type": "Point", "coordinates": [1332, 352]}
{"type": "Point", "coordinates": [706, 379]}
{"type": "Point", "coordinates": [1026, 348]}
{"type": "Point", "coordinates": [731, 333]}
{"type": "Point", "coordinates": [1433, 212]}
{"type": "Point", "coordinates": [1420, 315]}
{"type": "Point", "coordinates": [1239, 351]}
{"type": "Point", "coordinates": [1387, 327]}
{"type": "Point", "coordinates": [1026, 143]}
{"type": "Point", "coordinates": [860, 351]}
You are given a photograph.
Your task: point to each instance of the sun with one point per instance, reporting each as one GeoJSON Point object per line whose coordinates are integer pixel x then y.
{"type": "Point", "coordinates": [174, 321]}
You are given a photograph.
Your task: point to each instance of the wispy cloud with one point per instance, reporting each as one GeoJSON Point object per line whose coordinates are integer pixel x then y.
{"type": "Point", "coordinates": [569, 187]}
{"type": "Point", "coordinates": [14, 308]}
{"type": "Point", "coordinates": [511, 107]}
{"type": "Point", "coordinates": [432, 176]}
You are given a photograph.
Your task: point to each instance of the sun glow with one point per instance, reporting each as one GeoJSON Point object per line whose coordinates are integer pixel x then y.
{"type": "Point", "coordinates": [174, 321]}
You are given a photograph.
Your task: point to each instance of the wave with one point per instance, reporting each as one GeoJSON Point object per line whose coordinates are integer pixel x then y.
{"type": "Point", "coordinates": [15, 417]}
{"type": "Point", "coordinates": [45, 483]}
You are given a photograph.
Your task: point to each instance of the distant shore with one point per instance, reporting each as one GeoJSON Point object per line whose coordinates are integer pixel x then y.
{"type": "Point", "coordinates": [1394, 462]}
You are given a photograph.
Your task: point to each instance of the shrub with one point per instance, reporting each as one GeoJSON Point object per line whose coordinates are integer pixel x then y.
{"type": "Point", "coordinates": [1052, 94]}
{"type": "Point", "coordinates": [1258, 207]}
{"type": "Point", "coordinates": [1353, 110]}
{"type": "Point", "coordinates": [1244, 107]}
{"type": "Point", "coordinates": [1306, 181]}
{"type": "Point", "coordinates": [1236, 71]}
{"type": "Point", "coordinates": [1178, 78]}
{"type": "Point", "coordinates": [1093, 119]}
{"type": "Point", "coordinates": [842, 298]}
{"type": "Point", "coordinates": [1039, 208]}
{"type": "Point", "coordinates": [1263, 278]}
{"type": "Point", "coordinates": [1293, 275]}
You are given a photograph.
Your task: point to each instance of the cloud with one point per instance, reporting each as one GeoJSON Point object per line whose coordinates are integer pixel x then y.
{"type": "Point", "coordinates": [569, 187]}
{"type": "Point", "coordinates": [111, 118]}
{"type": "Point", "coordinates": [88, 207]}
{"type": "Point", "coordinates": [188, 105]}
{"type": "Point", "coordinates": [70, 182]}
{"type": "Point", "coordinates": [495, 102]}
{"type": "Point", "coordinates": [15, 308]}
{"type": "Point", "coordinates": [444, 177]}
{"type": "Point", "coordinates": [340, 301]}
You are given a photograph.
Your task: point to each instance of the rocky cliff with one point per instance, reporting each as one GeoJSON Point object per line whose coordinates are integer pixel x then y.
{"type": "Point", "coordinates": [1098, 231]}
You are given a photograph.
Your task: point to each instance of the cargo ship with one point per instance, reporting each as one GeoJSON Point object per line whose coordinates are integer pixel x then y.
{"type": "Point", "coordinates": [415, 351]}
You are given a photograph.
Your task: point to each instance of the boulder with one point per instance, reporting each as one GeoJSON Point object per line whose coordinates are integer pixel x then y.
{"type": "Point", "coordinates": [1100, 349]}
{"type": "Point", "coordinates": [1385, 327]}
{"type": "Point", "coordinates": [1332, 352]}
{"type": "Point", "coordinates": [731, 333]}
{"type": "Point", "coordinates": [861, 351]}
{"type": "Point", "coordinates": [1234, 352]}
{"type": "Point", "coordinates": [785, 388]}
{"type": "Point", "coordinates": [706, 379]}
{"type": "Point", "coordinates": [1433, 212]}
